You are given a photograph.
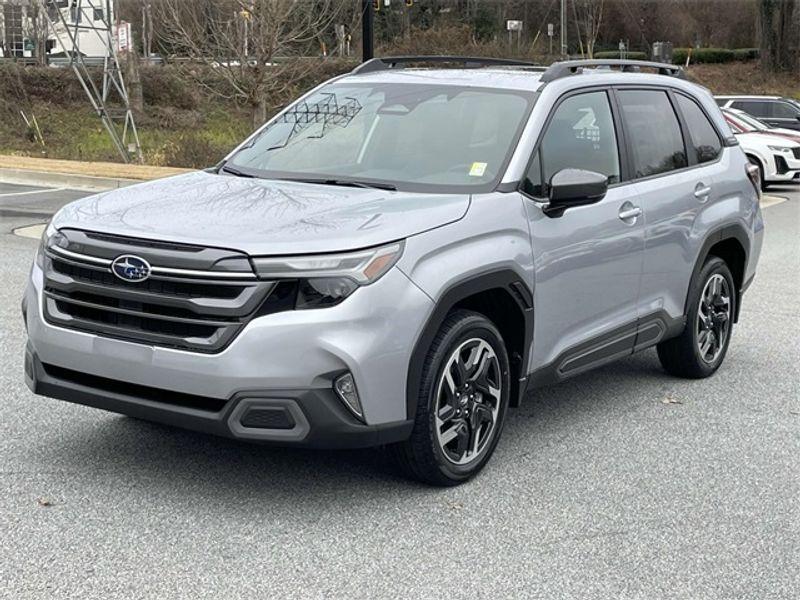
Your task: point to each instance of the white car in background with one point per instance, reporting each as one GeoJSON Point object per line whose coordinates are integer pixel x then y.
{"type": "Point", "coordinates": [777, 158]}
{"type": "Point", "coordinates": [741, 122]}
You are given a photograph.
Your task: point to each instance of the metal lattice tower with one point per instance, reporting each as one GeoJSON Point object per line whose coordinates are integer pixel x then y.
{"type": "Point", "coordinates": [117, 119]}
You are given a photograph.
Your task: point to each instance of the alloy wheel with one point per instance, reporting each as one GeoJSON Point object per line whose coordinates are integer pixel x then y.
{"type": "Point", "coordinates": [468, 401]}
{"type": "Point", "coordinates": [713, 318]}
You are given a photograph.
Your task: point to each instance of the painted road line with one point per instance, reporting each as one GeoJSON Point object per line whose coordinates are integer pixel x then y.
{"type": "Point", "coordinates": [44, 191]}
{"type": "Point", "coordinates": [31, 231]}
{"type": "Point", "coordinates": [767, 201]}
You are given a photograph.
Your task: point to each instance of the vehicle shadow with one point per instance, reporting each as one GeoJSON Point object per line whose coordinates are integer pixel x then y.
{"type": "Point", "coordinates": [222, 470]}
{"type": "Point", "coordinates": [778, 189]}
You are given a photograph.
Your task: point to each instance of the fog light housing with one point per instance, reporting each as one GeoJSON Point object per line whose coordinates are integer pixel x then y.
{"type": "Point", "coordinates": [345, 388]}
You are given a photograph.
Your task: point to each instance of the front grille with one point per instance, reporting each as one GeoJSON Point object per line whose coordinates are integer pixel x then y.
{"type": "Point", "coordinates": [197, 309]}
{"type": "Point", "coordinates": [796, 151]}
{"type": "Point", "coordinates": [153, 286]}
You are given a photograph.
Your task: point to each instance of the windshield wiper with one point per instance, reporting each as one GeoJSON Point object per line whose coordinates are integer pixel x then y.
{"type": "Point", "coordinates": [236, 172]}
{"type": "Point", "coordinates": [349, 183]}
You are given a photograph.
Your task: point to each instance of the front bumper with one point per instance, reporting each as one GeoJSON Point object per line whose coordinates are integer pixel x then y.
{"type": "Point", "coordinates": [306, 418]}
{"type": "Point", "coordinates": [786, 168]}
{"type": "Point", "coordinates": [284, 363]}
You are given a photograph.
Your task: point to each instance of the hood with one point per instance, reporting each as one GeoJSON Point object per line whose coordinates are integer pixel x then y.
{"type": "Point", "coordinates": [260, 216]}
{"type": "Point", "coordinates": [791, 134]}
{"type": "Point", "coordinates": [763, 139]}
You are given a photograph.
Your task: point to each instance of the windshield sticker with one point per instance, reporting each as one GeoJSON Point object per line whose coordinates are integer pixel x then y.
{"type": "Point", "coordinates": [478, 169]}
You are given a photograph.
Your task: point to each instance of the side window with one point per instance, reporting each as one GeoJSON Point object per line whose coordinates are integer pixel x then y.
{"type": "Point", "coordinates": [654, 132]}
{"type": "Point", "coordinates": [753, 107]}
{"type": "Point", "coordinates": [580, 135]}
{"type": "Point", "coordinates": [705, 142]}
{"type": "Point", "coordinates": [784, 110]}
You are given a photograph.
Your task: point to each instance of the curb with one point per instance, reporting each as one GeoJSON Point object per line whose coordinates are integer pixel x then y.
{"type": "Point", "coordinates": [64, 180]}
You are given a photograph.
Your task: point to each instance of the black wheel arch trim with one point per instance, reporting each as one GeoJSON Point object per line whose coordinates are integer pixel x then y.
{"type": "Point", "coordinates": [735, 231]}
{"type": "Point", "coordinates": [504, 278]}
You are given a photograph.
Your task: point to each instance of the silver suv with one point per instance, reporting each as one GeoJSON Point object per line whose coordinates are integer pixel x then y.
{"type": "Point", "coordinates": [403, 254]}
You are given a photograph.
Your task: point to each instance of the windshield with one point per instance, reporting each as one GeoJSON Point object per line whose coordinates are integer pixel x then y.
{"type": "Point", "coordinates": [415, 137]}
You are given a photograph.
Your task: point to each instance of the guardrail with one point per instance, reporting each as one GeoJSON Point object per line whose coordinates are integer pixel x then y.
{"type": "Point", "coordinates": [65, 61]}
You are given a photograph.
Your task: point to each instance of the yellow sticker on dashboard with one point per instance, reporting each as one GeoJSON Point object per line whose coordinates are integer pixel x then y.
{"type": "Point", "coordinates": [477, 169]}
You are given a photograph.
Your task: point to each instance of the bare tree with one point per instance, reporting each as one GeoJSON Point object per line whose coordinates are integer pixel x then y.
{"type": "Point", "coordinates": [246, 42]}
{"type": "Point", "coordinates": [589, 19]}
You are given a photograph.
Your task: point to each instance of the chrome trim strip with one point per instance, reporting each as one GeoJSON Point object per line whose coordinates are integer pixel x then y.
{"type": "Point", "coordinates": [157, 270]}
{"type": "Point", "coordinates": [81, 257]}
{"type": "Point", "coordinates": [203, 274]}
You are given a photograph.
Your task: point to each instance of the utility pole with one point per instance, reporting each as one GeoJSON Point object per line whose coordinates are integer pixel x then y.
{"type": "Point", "coordinates": [367, 30]}
{"type": "Point", "coordinates": [564, 49]}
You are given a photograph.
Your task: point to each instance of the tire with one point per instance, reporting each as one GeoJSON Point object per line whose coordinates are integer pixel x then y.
{"type": "Point", "coordinates": [457, 427]}
{"type": "Point", "coordinates": [700, 349]}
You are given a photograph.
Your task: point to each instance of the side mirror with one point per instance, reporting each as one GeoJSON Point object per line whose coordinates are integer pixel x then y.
{"type": "Point", "coordinates": [574, 187]}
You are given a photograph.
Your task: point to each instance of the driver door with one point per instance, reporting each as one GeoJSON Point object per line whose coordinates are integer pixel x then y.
{"type": "Point", "coordinates": [588, 261]}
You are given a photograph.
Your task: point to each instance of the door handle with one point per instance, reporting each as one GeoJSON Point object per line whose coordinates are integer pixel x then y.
{"type": "Point", "coordinates": [701, 192]}
{"type": "Point", "coordinates": [629, 213]}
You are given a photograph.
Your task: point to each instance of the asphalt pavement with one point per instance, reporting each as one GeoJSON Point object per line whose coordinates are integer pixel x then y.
{"type": "Point", "coordinates": [622, 483]}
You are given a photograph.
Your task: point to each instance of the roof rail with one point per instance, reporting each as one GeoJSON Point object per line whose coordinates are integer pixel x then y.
{"type": "Point", "coordinates": [569, 67]}
{"type": "Point", "coordinates": [470, 62]}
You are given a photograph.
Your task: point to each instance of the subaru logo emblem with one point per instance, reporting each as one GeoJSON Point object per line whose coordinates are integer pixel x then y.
{"type": "Point", "coordinates": [130, 268]}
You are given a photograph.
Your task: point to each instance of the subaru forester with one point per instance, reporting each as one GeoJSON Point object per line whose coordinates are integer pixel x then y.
{"type": "Point", "coordinates": [402, 255]}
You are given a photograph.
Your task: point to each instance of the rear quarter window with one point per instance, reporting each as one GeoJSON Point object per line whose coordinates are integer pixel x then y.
{"type": "Point", "coordinates": [705, 143]}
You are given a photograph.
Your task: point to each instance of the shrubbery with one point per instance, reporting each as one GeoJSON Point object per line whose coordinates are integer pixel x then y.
{"type": "Point", "coordinates": [161, 86]}
{"type": "Point", "coordinates": [615, 54]}
{"type": "Point", "coordinates": [713, 55]}
{"type": "Point", "coordinates": [746, 53]}
{"type": "Point", "coordinates": [18, 84]}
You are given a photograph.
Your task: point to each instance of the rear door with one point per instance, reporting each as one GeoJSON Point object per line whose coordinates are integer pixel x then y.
{"type": "Point", "coordinates": [675, 155]}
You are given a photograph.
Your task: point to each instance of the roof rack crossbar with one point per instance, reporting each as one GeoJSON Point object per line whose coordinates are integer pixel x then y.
{"type": "Point", "coordinates": [566, 68]}
{"type": "Point", "coordinates": [473, 62]}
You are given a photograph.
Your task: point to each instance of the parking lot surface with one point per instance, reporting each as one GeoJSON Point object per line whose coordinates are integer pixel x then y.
{"type": "Point", "coordinates": [621, 483]}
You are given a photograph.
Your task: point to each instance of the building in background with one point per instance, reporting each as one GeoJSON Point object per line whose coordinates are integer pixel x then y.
{"type": "Point", "coordinates": [13, 27]}
{"type": "Point", "coordinates": [22, 23]}
{"type": "Point", "coordinates": [87, 21]}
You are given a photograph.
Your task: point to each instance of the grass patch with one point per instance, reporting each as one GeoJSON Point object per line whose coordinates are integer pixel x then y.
{"type": "Point", "coordinates": [169, 137]}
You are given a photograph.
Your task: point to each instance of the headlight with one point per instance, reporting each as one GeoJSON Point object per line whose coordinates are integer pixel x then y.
{"type": "Point", "coordinates": [327, 279]}
{"type": "Point", "coordinates": [50, 237]}
{"type": "Point", "coordinates": [780, 148]}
